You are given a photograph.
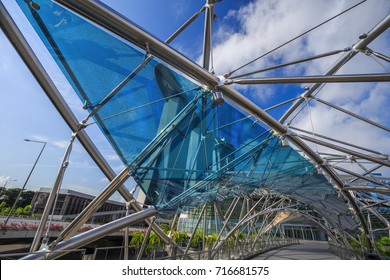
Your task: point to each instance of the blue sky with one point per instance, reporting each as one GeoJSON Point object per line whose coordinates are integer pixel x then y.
{"type": "Point", "coordinates": [243, 30]}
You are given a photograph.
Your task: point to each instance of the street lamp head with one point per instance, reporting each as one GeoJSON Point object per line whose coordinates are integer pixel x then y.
{"type": "Point", "coordinates": [36, 141]}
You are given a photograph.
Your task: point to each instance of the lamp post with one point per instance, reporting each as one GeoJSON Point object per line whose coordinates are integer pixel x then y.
{"type": "Point", "coordinates": [28, 177]}
{"type": "Point", "coordinates": [3, 189]}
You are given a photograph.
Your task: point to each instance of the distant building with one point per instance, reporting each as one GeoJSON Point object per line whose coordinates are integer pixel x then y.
{"type": "Point", "coordinates": [70, 203]}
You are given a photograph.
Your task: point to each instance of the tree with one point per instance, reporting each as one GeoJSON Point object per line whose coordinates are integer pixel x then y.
{"type": "Point", "coordinates": [9, 196]}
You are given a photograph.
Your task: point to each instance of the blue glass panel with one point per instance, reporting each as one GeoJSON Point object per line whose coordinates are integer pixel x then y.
{"type": "Point", "coordinates": [182, 149]}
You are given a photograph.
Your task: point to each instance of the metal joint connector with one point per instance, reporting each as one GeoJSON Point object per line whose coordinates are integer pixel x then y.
{"type": "Point", "coordinates": [217, 97]}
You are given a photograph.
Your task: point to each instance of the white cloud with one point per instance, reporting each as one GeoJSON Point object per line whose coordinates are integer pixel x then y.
{"type": "Point", "coordinates": [4, 179]}
{"type": "Point", "coordinates": [265, 25]}
{"type": "Point", "coordinates": [82, 164]}
{"type": "Point", "coordinates": [262, 25]}
{"type": "Point", "coordinates": [62, 144]}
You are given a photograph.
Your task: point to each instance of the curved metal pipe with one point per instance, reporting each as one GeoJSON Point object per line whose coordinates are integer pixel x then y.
{"type": "Point", "coordinates": [94, 234]}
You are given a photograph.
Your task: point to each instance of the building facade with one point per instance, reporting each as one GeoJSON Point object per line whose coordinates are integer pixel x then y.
{"type": "Point", "coordinates": [70, 203]}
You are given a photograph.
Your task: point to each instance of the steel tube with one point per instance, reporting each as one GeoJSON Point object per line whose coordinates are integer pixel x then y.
{"type": "Point", "coordinates": [119, 25]}
{"type": "Point", "coordinates": [105, 17]}
{"type": "Point", "coordinates": [185, 25]}
{"type": "Point", "coordinates": [22, 47]}
{"type": "Point", "coordinates": [380, 159]}
{"type": "Point", "coordinates": [352, 114]}
{"type": "Point", "coordinates": [356, 175]}
{"type": "Point", "coordinates": [358, 188]}
{"type": "Point", "coordinates": [89, 236]}
{"type": "Point", "coordinates": [247, 219]}
{"type": "Point", "coordinates": [335, 140]}
{"type": "Point", "coordinates": [382, 56]}
{"type": "Point", "coordinates": [123, 28]}
{"type": "Point", "coordinates": [208, 25]}
{"type": "Point", "coordinates": [367, 172]}
{"type": "Point", "coordinates": [290, 63]}
{"type": "Point", "coordinates": [52, 196]}
{"type": "Point", "coordinates": [146, 239]}
{"type": "Point", "coordinates": [194, 230]}
{"type": "Point", "coordinates": [95, 204]}
{"type": "Point", "coordinates": [25, 182]}
{"type": "Point", "coordinates": [313, 79]}
{"type": "Point", "coordinates": [26, 53]}
{"type": "Point", "coordinates": [138, 208]}
{"type": "Point", "coordinates": [126, 238]}
{"type": "Point", "coordinates": [361, 44]}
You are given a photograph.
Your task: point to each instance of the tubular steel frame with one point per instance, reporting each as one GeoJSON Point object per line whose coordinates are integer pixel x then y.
{"type": "Point", "coordinates": [109, 19]}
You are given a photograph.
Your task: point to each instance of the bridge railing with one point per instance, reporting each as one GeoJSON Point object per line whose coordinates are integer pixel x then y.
{"type": "Point", "coordinates": [76, 254]}
{"type": "Point", "coordinates": [243, 250]}
{"type": "Point", "coordinates": [345, 253]}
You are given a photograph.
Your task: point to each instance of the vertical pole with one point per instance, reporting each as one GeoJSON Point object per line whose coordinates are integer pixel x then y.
{"type": "Point", "coordinates": [126, 237]}
{"type": "Point", "coordinates": [146, 239]}
{"type": "Point", "coordinates": [207, 43]}
{"type": "Point", "coordinates": [194, 231]}
{"type": "Point", "coordinates": [25, 183]}
{"type": "Point", "coordinates": [216, 217]}
{"type": "Point", "coordinates": [53, 193]}
{"type": "Point", "coordinates": [204, 228]}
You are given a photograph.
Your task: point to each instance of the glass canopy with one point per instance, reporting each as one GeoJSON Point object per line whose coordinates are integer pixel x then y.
{"type": "Point", "coordinates": [181, 147]}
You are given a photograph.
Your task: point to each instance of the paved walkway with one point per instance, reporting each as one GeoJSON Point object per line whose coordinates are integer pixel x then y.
{"type": "Point", "coordinates": [306, 250]}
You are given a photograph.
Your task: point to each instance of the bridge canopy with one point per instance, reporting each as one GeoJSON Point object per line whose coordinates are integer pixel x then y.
{"type": "Point", "coordinates": [181, 143]}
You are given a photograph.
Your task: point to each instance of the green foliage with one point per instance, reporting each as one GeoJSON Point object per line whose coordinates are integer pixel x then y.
{"type": "Point", "coordinates": [240, 236]}
{"type": "Point", "coordinates": [197, 239]}
{"type": "Point", "coordinates": [9, 196]}
{"type": "Point", "coordinates": [19, 211]}
{"type": "Point", "coordinates": [253, 237]}
{"type": "Point", "coordinates": [363, 240]}
{"type": "Point", "coordinates": [354, 244]}
{"type": "Point", "coordinates": [383, 246]}
{"type": "Point", "coordinates": [154, 243]}
{"type": "Point", "coordinates": [180, 237]}
{"type": "Point", "coordinates": [27, 210]}
{"type": "Point", "coordinates": [173, 224]}
{"type": "Point", "coordinates": [165, 228]}
{"type": "Point", "coordinates": [385, 240]}
{"type": "Point", "coordinates": [6, 210]}
{"type": "Point", "coordinates": [137, 238]}
{"type": "Point", "coordinates": [154, 239]}
{"type": "Point", "coordinates": [231, 241]}
{"type": "Point", "coordinates": [211, 239]}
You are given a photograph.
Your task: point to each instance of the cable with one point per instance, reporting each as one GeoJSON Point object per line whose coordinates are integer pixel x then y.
{"type": "Point", "coordinates": [293, 39]}
{"type": "Point", "coordinates": [293, 62]}
{"type": "Point", "coordinates": [144, 105]}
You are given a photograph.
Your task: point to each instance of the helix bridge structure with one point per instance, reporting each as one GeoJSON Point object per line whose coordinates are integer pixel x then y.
{"type": "Point", "coordinates": [200, 151]}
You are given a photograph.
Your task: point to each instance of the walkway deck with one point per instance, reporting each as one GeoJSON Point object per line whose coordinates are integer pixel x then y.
{"type": "Point", "coordinates": [306, 250]}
